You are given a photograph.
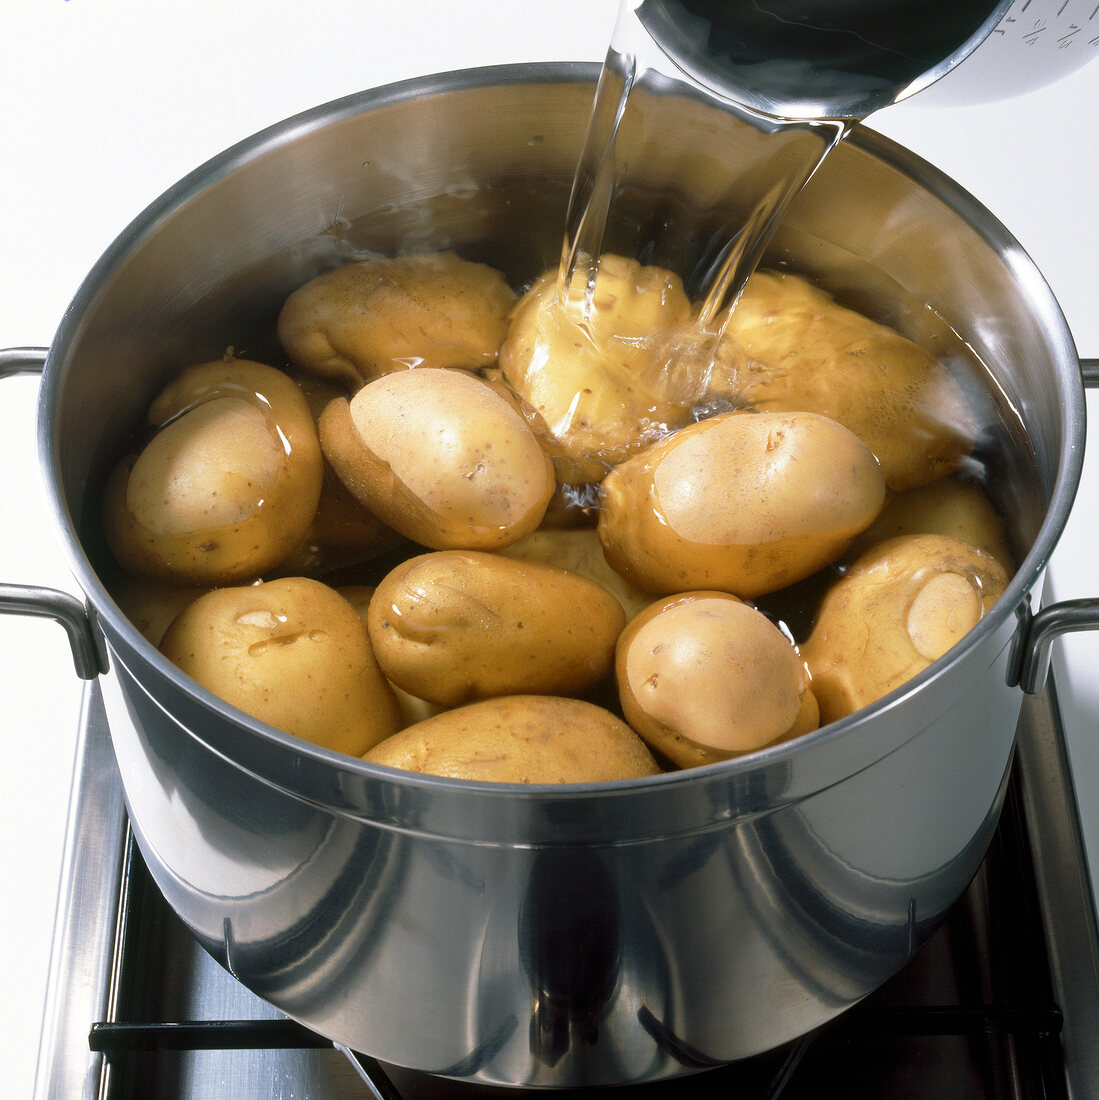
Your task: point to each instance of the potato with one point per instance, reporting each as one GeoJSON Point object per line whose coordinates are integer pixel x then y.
{"type": "Point", "coordinates": [152, 605]}
{"type": "Point", "coordinates": [599, 381]}
{"type": "Point", "coordinates": [578, 549]}
{"type": "Point", "coordinates": [900, 607]}
{"type": "Point", "coordinates": [440, 456]}
{"type": "Point", "coordinates": [454, 626]}
{"type": "Point", "coordinates": [292, 653]}
{"type": "Point", "coordinates": [412, 708]}
{"type": "Point", "coordinates": [228, 485]}
{"type": "Point", "coordinates": [365, 319]}
{"type": "Point", "coordinates": [343, 533]}
{"type": "Point", "coordinates": [959, 509]}
{"type": "Point", "coordinates": [703, 676]}
{"type": "Point", "coordinates": [520, 739]}
{"type": "Point", "coordinates": [743, 502]}
{"type": "Point", "coordinates": [789, 346]}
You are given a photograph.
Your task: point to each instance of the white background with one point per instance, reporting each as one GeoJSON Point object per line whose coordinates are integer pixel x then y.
{"type": "Point", "coordinates": [105, 103]}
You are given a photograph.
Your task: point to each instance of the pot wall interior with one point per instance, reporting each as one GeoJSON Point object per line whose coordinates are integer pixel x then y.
{"type": "Point", "coordinates": [483, 164]}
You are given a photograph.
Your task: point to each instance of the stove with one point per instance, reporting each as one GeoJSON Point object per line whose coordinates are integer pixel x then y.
{"type": "Point", "coordinates": [1003, 1000]}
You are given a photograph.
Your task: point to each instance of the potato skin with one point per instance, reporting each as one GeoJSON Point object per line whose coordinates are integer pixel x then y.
{"type": "Point", "coordinates": [442, 457]}
{"type": "Point", "coordinates": [520, 739]}
{"type": "Point", "coordinates": [292, 653]}
{"type": "Point", "coordinates": [455, 626]}
{"type": "Point", "coordinates": [599, 383]}
{"type": "Point", "coordinates": [412, 708]}
{"type": "Point", "coordinates": [788, 345]}
{"type": "Point", "coordinates": [703, 676]}
{"type": "Point", "coordinates": [362, 320]}
{"type": "Point", "coordinates": [959, 509]}
{"type": "Point", "coordinates": [900, 607]}
{"type": "Point", "coordinates": [227, 487]}
{"type": "Point", "coordinates": [151, 605]}
{"type": "Point", "coordinates": [743, 502]}
{"type": "Point", "coordinates": [343, 534]}
{"type": "Point", "coordinates": [579, 550]}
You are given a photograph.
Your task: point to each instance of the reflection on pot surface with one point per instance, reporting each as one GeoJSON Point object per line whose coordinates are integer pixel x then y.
{"type": "Point", "coordinates": [565, 963]}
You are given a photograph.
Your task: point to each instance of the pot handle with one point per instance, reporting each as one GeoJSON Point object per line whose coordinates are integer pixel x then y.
{"type": "Point", "coordinates": [1059, 618]}
{"type": "Point", "coordinates": [20, 599]}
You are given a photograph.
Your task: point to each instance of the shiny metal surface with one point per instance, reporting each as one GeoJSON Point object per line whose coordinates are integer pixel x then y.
{"type": "Point", "coordinates": [22, 361]}
{"type": "Point", "coordinates": [83, 968]}
{"type": "Point", "coordinates": [1016, 46]}
{"type": "Point", "coordinates": [519, 935]}
{"type": "Point", "coordinates": [179, 982]}
{"type": "Point", "coordinates": [87, 908]}
{"type": "Point", "coordinates": [526, 961]}
{"type": "Point", "coordinates": [782, 77]}
{"type": "Point", "coordinates": [1064, 887]}
{"type": "Point", "coordinates": [1048, 625]}
{"type": "Point", "coordinates": [19, 599]}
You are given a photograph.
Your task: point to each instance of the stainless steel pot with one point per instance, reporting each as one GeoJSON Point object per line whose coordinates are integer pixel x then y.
{"type": "Point", "coordinates": [567, 935]}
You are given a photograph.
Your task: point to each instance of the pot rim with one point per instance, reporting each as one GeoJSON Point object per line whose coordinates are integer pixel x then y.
{"type": "Point", "coordinates": [1014, 601]}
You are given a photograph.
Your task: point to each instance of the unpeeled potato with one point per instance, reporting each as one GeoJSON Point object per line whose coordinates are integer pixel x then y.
{"type": "Point", "coordinates": [152, 605]}
{"type": "Point", "coordinates": [789, 346]}
{"type": "Point", "coordinates": [520, 739]}
{"type": "Point", "coordinates": [959, 509]}
{"type": "Point", "coordinates": [226, 488]}
{"type": "Point", "coordinates": [579, 550]}
{"type": "Point", "coordinates": [747, 501]}
{"type": "Point", "coordinates": [743, 502]}
{"type": "Point", "coordinates": [292, 653]}
{"type": "Point", "coordinates": [900, 607]}
{"type": "Point", "coordinates": [343, 531]}
{"type": "Point", "coordinates": [412, 708]}
{"type": "Point", "coordinates": [366, 319]}
{"type": "Point", "coordinates": [441, 457]}
{"type": "Point", "coordinates": [454, 626]}
{"type": "Point", "coordinates": [598, 377]}
{"type": "Point", "coordinates": [703, 676]}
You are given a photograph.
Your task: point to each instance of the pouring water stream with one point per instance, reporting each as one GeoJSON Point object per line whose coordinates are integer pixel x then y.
{"type": "Point", "coordinates": [805, 74]}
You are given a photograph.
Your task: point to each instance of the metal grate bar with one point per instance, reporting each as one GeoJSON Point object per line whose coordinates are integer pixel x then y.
{"type": "Point", "coordinates": [116, 1038]}
{"type": "Point", "coordinates": [1036, 1021]}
